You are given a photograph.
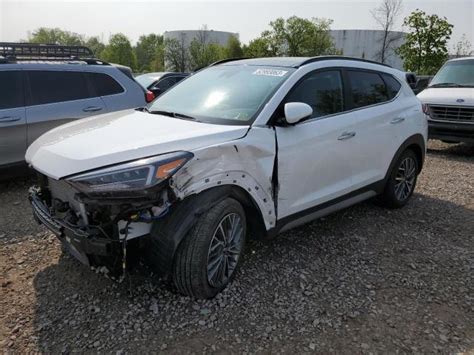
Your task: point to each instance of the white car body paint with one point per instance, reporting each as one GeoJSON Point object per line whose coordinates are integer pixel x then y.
{"type": "Point", "coordinates": [119, 137]}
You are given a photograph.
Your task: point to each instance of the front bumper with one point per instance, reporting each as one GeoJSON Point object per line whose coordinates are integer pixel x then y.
{"type": "Point", "coordinates": [451, 131]}
{"type": "Point", "coordinates": [84, 244]}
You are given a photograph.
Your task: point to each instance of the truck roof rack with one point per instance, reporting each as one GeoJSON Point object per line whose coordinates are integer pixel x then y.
{"type": "Point", "coordinates": [15, 52]}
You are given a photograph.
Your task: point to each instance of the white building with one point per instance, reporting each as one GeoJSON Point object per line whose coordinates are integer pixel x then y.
{"type": "Point", "coordinates": [367, 44]}
{"type": "Point", "coordinates": [210, 36]}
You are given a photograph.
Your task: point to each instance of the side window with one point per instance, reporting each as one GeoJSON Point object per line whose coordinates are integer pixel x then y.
{"type": "Point", "coordinates": [322, 91]}
{"type": "Point", "coordinates": [393, 86]}
{"type": "Point", "coordinates": [56, 86]}
{"type": "Point", "coordinates": [11, 89]}
{"type": "Point", "coordinates": [104, 84]}
{"type": "Point", "coordinates": [367, 88]}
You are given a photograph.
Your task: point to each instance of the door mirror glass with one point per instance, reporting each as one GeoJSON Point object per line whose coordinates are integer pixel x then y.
{"type": "Point", "coordinates": [296, 111]}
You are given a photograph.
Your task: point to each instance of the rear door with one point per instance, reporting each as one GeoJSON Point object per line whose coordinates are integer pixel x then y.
{"type": "Point", "coordinates": [378, 117]}
{"type": "Point", "coordinates": [55, 97]}
{"type": "Point", "coordinates": [12, 117]}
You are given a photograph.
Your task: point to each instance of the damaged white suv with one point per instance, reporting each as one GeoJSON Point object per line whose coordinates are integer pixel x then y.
{"type": "Point", "coordinates": [243, 147]}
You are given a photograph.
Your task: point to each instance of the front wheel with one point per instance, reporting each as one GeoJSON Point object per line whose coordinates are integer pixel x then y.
{"type": "Point", "coordinates": [402, 181]}
{"type": "Point", "coordinates": [208, 257]}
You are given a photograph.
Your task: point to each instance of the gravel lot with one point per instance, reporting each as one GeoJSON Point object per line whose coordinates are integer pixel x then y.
{"type": "Point", "coordinates": [364, 279]}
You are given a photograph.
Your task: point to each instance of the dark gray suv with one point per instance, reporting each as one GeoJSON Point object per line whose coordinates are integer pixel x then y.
{"type": "Point", "coordinates": [44, 86]}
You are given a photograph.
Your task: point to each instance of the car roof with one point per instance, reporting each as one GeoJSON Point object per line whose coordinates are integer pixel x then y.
{"type": "Point", "coordinates": [290, 62]}
{"type": "Point", "coordinates": [459, 59]}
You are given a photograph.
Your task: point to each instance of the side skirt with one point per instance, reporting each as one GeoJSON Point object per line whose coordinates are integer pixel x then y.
{"type": "Point", "coordinates": [326, 208]}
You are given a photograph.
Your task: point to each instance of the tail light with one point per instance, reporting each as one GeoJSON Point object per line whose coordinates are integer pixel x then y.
{"type": "Point", "coordinates": [149, 96]}
{"type": "Point", "coordinates": [425, 109]}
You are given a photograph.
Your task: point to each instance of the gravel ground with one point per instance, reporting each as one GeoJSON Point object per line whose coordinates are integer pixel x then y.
{"type": "Point", "coordinates": [365, 279]}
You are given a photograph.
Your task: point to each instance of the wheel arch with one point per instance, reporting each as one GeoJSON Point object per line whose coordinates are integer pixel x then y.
{"type": "Point", "coordinates": [167, 233]}
{"type": "Point", "coordinates": [416, 143]}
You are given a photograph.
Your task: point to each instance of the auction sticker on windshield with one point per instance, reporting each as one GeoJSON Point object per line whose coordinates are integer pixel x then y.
{"type": "Point", "coordinates": [270, 72]}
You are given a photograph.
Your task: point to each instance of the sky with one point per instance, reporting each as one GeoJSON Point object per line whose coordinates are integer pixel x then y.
{"type": "Point", "coordinates": [249, 18]}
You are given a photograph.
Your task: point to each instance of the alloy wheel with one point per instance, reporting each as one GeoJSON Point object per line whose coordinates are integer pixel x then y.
{"type": "Point", "coordinates": [405, 178]}
{"type": "Point", "coordinates": [224, 250]}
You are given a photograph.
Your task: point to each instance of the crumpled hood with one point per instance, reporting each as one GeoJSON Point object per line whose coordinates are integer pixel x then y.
{"type": "Point", "coordinates": [447, 96]}
{"type": "Point", "coordinates": [117, 137]}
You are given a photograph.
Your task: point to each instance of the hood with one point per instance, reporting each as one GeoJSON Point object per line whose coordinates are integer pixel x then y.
{"type": "Point", "coordinates": [118, 137]}
{"type": "Point", "coordinates": [447, 96]}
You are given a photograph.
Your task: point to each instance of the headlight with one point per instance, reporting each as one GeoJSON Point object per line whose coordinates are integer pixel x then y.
{"type": "Point", "coordinates": [133, 176]}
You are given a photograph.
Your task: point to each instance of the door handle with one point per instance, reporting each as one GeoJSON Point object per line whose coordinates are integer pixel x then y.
{"type": "Point", "coordinates": [92, 109]}
{"type": "Point", "coordinates": [397, 120]}
{"type": "Point", "coordinates": [346, 135]}
{"type": "Point", "coordinates": [9, 119]}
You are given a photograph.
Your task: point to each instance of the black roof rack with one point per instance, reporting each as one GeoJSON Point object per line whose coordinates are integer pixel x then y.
{"type": "Point", "coordinates": [339, 57]}
{"type": "Point", "coordinates": [14, 52]}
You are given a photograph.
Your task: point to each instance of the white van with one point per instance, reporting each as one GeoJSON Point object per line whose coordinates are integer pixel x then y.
{"type": "Point", "coordinates": [449, 102]}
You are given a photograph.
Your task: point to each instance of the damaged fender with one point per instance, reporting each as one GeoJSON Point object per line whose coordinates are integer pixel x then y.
{"type": "Point", "coordinates": [234, 163]}
{"type": "Point", "coordinates": [215, 173]}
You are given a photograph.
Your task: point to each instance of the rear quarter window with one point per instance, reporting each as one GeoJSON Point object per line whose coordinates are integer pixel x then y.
{"type": "Point", "coordinates": [104, 84]}
{"type": "Point", "coordinates": [392, 84]}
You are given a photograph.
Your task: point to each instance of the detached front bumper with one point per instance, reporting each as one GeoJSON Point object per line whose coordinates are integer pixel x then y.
{"type": "Point", "coordinates": [84, 244]}
{"type": "Point", "coordinates": [451, 131]}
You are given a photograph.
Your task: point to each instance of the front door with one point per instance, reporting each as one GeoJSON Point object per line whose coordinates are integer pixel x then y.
{"type": "Point", "coordinates": [314, 156]}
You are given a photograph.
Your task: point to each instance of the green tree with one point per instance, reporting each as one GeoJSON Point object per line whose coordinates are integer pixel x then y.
{"type": "Point", "coordinates": [176, 54]}
{"type": "Point", "coordinates": [259, 47]}
{"type": "Point", "coordinates": [56, 36]}
{"type": "Point", "coordinates": [95, 45]}
{"type": "Point", "coordinates": [120, 51]}
{"type": "Point", "coordinates": [298, 36]}
{"type": "Point", "coordinates": [233, 48]}
{"type": "Point", "coordinates": [203, 54]}
{"type": "Point", "coordinates": [146, 50]}
{"type": "Point", "coordinates": [426, 45]}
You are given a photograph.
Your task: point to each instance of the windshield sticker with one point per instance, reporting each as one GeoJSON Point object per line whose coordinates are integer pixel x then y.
{"type": "Point", "coordinates": [270, 72]}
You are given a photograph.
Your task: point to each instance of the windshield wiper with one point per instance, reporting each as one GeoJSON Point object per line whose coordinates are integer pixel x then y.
{"type": "Point", "coordinates": [450, 85]}
{"type": "Point", "coordinates": [173, 114]}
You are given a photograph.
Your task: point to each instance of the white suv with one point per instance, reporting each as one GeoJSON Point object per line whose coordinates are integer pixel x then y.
{"type": "Point", "coordinates": [243, 147]}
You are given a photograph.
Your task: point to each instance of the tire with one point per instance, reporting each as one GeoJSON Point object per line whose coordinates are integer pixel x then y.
{"type": "Point", "coordinates": [199, 268]}
{"type": "Point", "coordinates": [394, 194]}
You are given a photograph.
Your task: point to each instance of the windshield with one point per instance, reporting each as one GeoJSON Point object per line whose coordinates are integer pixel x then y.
{"type": "Point", "coordinates": [224, 94]}
{"type": "Point", "coordinates": [455, 73]}
{"type": "Point", "coordinates": [146, 80]}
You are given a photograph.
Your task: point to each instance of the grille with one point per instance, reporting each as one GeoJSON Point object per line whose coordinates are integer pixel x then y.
{"type": "Point", "coordinates": [452, 113]}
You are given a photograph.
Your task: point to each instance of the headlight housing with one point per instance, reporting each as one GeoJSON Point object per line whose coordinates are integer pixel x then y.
{"type": "Point", "coordinates": [128, 178]}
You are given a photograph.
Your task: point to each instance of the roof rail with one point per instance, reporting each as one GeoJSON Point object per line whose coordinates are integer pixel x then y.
{"type": "Point", "coordinates": [339, 57]}
{"type": "Point", "coordinates": [49, 52]}
{"type": "Point", "coordinates": [222, 61]}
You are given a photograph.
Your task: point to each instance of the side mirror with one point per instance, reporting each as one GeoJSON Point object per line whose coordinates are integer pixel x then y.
{"type": "Point", "coordinates": [296, 111]}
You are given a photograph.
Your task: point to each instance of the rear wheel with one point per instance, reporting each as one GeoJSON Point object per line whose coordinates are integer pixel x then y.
{"type": "Point", "coordinates": [208, 257]}
{"type": "Point", "coordinates": [402, 181]}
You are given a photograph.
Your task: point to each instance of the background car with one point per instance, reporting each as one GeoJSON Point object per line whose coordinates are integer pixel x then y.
{"type": "Point", "coordinates": [449, 102]}
{"type": "Point", "coordinates": [43, 86]}
{"type": "Point", "coordinates": [159, 82]}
